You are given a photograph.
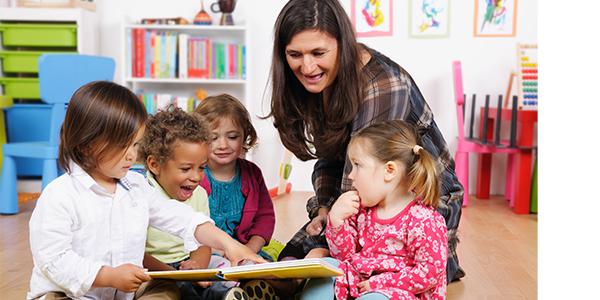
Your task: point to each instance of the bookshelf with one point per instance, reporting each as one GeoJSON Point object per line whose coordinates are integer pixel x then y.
{"type": "Point", "coordinates": [161, 74]}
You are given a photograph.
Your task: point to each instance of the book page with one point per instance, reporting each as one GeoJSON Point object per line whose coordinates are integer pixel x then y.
{"type": "Point", "coordinates": [301, 268]}
{"type": "Point", "coordinates": [187, 275]}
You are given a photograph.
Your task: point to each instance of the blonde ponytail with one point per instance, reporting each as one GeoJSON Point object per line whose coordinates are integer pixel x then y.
{"type": "Point", "coordinates": [423, 177]}
{"type": "Point", "coordinates": [399, 141]}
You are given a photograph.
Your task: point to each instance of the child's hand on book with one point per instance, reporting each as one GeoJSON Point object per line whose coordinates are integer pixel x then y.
{"type": "Point", "coordinates": [346, 206]}
{"type": "Point", "coordinates": [128, 277]}
{"type": "Point", "coordinates": [190, 264]}
{"type": "Point", "coordinates": [237, 253]}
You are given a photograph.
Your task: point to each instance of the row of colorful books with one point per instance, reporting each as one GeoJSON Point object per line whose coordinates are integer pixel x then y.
{"type": "Point", "coordinates": [169, 54]}
{"type": "Point", "coordinates": [201, 57]}
{"type": "Point", "coordinates": [155, 102]}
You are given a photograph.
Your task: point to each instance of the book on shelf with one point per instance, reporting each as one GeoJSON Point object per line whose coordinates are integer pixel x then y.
{"type": "Point", "coordinates": [183, 55]}
{"type": "Point", "coordinates": [301, 268]}
{"type": "Point", "coordinates": [155, 53]}
{"type": "Point", "coordinates": [155, 102]}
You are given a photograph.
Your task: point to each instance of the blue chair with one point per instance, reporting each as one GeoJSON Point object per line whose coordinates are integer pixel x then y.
{"type": "Point", "coordinates": [60, 76]}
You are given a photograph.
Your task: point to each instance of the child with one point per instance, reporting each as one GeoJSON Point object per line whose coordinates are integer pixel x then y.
{"type": "Point", "coordinates": [387, 234]}
{"type": "Point", "coordinates": [88, 229]}
{"type": "Point", "coordinates": [174, 150]}
{"type": "Point", "coordinates": [238, 197]}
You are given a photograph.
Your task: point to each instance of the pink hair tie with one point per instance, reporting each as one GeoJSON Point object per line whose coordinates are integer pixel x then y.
{"type": "Point", "coordinates": [416, 149]}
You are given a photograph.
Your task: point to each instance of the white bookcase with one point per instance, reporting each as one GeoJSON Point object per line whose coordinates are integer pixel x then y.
{"type": "Point", "coordinates": [87, 22]}
{"type": "Point", "coordinates": [186, 86]}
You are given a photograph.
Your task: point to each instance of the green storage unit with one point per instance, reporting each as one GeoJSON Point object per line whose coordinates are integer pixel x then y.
{"type": "Point", "coordinates": [23, 61]}
{"type": "Point", "coordinates": [21, 88]}
{"type": "Point", "coordinates": [20, 61]}
{"type": "Point", "coordinates": [38, 35]}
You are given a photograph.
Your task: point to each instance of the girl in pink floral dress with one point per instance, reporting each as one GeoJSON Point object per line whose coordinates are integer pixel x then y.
{"type": "Point", "coordinates": [387, 235]}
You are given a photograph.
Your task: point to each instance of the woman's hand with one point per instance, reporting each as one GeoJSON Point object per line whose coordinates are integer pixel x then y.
{"type": "Point", "coordinates": [318, 253]}
{"type": "Point", "coordinates": [344, 207]}
{"type": "Point", "coordinates": [316, 225]}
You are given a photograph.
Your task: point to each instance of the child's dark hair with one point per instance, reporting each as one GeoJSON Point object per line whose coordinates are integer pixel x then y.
{"type": "Point", "coordinates": [399, 141]}
{"type": "Point", "coordinates": [102, 118]}
{"type": "Point", "coordinates": [167, 127]}
{"type": "Point", "coordinates": [215, 108]}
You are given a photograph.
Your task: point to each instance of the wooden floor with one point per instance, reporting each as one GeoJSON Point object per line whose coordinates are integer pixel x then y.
{"type": "Point", "coordinates": [498, 249]}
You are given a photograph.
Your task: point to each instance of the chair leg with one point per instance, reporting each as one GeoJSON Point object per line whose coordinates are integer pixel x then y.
{"type": "Point", "coordinates": [8, 187]}
{"type": "Point", "coordinates": [50, 171]}
{"type": "Point", "coordinates": [461, 161]}
{"type": "Point", "coordinates": [509, 191]}
{"type": "Point", "coordinates": [484, 173]}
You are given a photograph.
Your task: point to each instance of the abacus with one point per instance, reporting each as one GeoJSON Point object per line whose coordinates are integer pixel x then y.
{"type": "Point", "coordinates": [527, 76]}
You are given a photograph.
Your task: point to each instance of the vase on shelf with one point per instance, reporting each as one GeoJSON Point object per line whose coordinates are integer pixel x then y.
{"type": "Point", "coordinates": [202, 17]}
{"type": "Point", "coordinates": [225, 7]}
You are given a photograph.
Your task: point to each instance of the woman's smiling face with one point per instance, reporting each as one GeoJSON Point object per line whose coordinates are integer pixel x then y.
{"type": "Point", "coordinates": [312, 55]}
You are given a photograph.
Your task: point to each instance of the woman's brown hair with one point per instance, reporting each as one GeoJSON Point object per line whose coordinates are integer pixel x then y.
{"type": "Point", "coordinates": [298, 115]}
{"type": "Point", "coordinates": [102, 120]}
{"type": "Point", "coordinates": [215, 108]}
{"type": "Point", "coordinates": [167, 127]}
{"type": "Point", "coordinates": [395, 141]}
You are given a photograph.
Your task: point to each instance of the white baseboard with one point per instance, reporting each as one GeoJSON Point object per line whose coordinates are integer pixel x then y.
{"type": "Point", "coordinates": [29, 185]}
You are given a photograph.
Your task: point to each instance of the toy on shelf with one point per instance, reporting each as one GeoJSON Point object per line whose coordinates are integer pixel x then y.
{"type": "Point", "coordinates": [202, 17]}
{"type": "Point", "coordinates": [527, 77]}
{"type": "Point", "coordinates": [285, 168]}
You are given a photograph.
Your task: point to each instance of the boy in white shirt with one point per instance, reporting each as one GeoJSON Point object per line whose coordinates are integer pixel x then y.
{"type": "Point", "coordinates": [88, 229]}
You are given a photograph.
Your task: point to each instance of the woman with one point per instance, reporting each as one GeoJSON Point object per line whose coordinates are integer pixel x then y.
{"type": "Point", "coordinates": [325, 87]}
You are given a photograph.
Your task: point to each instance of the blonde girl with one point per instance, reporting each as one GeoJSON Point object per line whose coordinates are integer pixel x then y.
{"type": "Point", "coordinates": [238, 197]}
{"type": "Point", "coordinates": [387, 234]}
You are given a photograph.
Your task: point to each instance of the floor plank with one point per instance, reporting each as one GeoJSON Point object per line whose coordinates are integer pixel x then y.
{"type": "Point", "coordinates": [498, 248]}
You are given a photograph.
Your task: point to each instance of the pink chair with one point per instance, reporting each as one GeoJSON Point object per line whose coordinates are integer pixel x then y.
{"type": "Point", "coordinates": [466, 146]}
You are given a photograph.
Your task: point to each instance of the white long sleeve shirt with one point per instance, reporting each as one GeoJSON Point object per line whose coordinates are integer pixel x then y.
{"type": "Point", "coordinates": [77, 227]}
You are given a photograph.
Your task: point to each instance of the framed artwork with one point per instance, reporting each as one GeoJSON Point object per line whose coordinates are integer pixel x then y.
{"type": "Point", "coordinates": [495, 18]}
{"type": "Point", "coordinates": [429, 18]}
{"type": "Point", "coordinates": [372, 17]}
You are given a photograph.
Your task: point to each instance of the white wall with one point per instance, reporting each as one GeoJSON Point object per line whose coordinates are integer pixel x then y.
{"type": "Point", "coordinates": [486, 62]}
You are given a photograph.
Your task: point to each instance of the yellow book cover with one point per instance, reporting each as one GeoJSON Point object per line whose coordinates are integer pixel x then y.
{"type": "Point", "coordinates": [302, 268]}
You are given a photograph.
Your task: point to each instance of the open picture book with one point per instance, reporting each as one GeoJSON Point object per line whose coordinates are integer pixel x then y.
{"type": "Point", "coordinates": [301, 268]}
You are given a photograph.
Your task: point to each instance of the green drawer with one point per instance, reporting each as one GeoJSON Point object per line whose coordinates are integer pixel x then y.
{"type": "Point", "coordinates": [22, 61]}
{"type": "Point", "coordinates": [21, 88]}
{"type": "Point", "coordinates": [39, 35]}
